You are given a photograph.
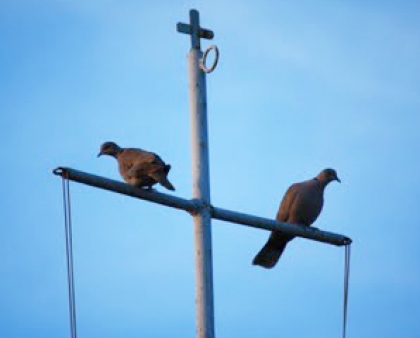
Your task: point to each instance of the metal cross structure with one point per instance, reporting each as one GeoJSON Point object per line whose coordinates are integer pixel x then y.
{"type": "Point", "coordinates": [200, 206]}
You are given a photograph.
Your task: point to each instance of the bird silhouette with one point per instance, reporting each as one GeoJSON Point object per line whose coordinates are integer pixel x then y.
{"type": "Point", "coordinates": [301, 204]}
{"type": "Point", "coordinates": [138, 167]}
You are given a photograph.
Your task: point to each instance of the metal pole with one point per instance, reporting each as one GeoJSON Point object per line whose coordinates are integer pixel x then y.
{"type": "Point", "coordinates": [201, 192]}
{"type": "Point", "coordinates": [126, 189]}
{"type": "Point", "coordinates": [288, 228]}
{"type": "Point", "coordinates": [193, 205]}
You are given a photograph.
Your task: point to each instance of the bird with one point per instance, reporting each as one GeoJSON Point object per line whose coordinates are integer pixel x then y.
{"type": "Point", "coordinates": [302, 203]}
{"type": "Point", "coordinates": [138, 167]}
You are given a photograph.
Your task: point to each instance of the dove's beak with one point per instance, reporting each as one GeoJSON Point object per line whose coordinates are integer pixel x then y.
{"type": "Point", "coordinates": [338, 180]}
{"type": "Point", "coordinates": [99, 155]}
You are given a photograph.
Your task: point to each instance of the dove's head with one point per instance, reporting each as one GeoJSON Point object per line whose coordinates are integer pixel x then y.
{"type": "Point", "coordinates": [109, 148]}
{"type": "Point", "coordinates": [328, 175]}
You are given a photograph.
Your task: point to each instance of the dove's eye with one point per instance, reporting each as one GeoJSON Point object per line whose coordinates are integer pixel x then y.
{"type": "Point", "coordinates": [108, 148]}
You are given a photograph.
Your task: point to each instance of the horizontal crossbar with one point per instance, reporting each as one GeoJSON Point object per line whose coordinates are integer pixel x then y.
{"type": "Point", "coordinates": [187, 29]}
{"type": "Point", "coordinates": [193, 206]}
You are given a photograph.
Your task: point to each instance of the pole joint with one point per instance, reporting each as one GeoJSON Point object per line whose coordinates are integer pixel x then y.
{"type": "Point", "coordinates": [199, 206]}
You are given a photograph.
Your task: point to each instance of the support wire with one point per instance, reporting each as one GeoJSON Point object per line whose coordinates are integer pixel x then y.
{"type": "Point", "coordinates": [69, 255]}
{"type": "Point", "coordinates": [346, 287]}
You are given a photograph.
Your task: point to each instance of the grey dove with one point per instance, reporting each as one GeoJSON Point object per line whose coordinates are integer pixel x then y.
{"type": "Point", "coordinates": [139, 167]}
{"type": "Point", "coordinates": [302, 203]}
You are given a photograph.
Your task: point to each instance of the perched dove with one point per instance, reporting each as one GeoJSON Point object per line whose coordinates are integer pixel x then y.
{"type": "Point", "coordinates": [138, 167]}
{"type": "Point", "coordinates": [301, 204]}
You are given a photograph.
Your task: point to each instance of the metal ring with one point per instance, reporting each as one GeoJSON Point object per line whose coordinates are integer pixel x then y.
{"type": "Point", "coordinates": [204, 57]}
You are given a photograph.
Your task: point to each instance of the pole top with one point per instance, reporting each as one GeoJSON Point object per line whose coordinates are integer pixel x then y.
{"type": "Point", "coordinates": [194, 29]}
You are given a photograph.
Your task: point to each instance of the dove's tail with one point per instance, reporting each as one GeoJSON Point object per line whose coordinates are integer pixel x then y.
{"type": "Point", "coordinates": [160, 176]}
{"type": "Point", "coordinates": [164, 180]}
{"type": "Point", "coordinates": [271, 252]}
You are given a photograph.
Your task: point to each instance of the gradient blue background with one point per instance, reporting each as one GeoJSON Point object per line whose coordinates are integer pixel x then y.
{"type": "Point", "coordinates": [300, 86]}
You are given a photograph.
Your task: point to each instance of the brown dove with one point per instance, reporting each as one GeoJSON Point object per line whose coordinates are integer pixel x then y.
{"type": "Point", "coordinates": [138, 167]}
{"type": "Point", "coordinates": [301, 204]}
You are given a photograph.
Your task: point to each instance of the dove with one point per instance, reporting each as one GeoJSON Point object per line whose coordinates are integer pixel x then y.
{"type": "Point", "coordinates": [302, 203]}
{"type": "Point", "coordinates": [138, 167]}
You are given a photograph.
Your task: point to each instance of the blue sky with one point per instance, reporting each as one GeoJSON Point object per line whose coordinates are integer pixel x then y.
{"type": "Point", "coordinates": [300, 86]}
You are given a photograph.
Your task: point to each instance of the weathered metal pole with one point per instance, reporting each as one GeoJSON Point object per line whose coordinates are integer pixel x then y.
{"type": "Point", "coordinates": [201, 192]}
{"type": "Point", "coordinates": [201, 182]}
{"type": "Point", "coordinates": [193, 205]}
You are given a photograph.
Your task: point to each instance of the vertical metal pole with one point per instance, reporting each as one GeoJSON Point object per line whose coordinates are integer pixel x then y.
{"type": "Point", "coordinates": [201, 191]}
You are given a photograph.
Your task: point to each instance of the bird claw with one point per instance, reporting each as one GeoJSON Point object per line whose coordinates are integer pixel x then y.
{"type": "Point", "coordinates": [149, 189]}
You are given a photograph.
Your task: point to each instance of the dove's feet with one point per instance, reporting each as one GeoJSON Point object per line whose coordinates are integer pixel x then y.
{"type": "Point", "coordinates": [149, 189]}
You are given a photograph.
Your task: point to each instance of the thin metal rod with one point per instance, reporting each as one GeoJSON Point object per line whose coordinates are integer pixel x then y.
{"type": "Point", "coordinates": [69, 256]}
{"type": "Point", "coordinates": [201, 192]}
{"type": "Point", "coordinates": [193, 205]}
{"type": "Point", "coordinates": [346, 288]}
